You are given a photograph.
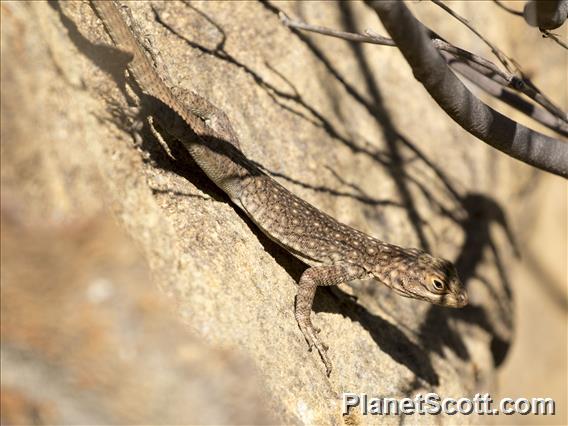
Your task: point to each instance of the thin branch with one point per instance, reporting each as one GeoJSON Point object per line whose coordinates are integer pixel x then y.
{"type": "Point", "coordinates": [455, 55]}
{"type": "Point", "coordinates": [460, 104]}
{"type": "Point", "coordinates": [367, 38]}
{"type": "Point", "coordinates": [372, 37]}
{"type": "Point", "coordinates": [548, 34]}
{"type": "Point", "coordinates": [508, 9]}
{"type": "Point", "coordinates": [504, 59]}
{"type": "Point", "coordinates": [482, 65]}
{"type": "Point", "coordinates": [524, 84]}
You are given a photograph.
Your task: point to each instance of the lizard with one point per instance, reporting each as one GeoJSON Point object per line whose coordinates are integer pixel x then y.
{"type": "Point", "coordinates": [334, 252]}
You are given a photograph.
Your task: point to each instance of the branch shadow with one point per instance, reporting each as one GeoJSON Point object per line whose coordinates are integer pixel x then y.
{"type": "Point", "coordinates": [436, 331]}
{"type": "Point", "coordinates": [319, 120]}
{"type": "Point", "coordinates": [387, 336]}
{"type": "Point", "coordinates": [473, 213]}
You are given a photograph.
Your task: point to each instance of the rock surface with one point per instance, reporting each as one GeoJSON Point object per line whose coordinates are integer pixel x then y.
{"type": "Point", "coordinates": [345, 127]}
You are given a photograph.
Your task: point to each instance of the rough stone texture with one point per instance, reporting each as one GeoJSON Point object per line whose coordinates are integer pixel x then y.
{"type": "Point", "coordinates": [345, 127]}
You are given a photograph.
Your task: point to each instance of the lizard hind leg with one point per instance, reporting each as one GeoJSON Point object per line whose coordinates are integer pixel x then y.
{"type": "Point", "coordinates": [312, 278]}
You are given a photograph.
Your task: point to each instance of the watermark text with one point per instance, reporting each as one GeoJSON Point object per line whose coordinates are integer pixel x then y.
{"type": "Point", "coordinates": [432, 403]}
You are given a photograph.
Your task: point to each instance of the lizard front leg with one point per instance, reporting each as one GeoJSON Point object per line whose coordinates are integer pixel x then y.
{"type": "Point", "coordinates": [310, 280]}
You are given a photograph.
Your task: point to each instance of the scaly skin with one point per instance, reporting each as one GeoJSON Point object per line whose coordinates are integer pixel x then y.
{"type": "Point", "coordinates": [335, 252]}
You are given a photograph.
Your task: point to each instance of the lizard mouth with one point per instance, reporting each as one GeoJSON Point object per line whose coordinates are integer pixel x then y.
{"type": "Point", "coordinates": [451, 300]}
{"type": "Point", "coordinates": [457, 300]}
{"type": "Point", "coordinates": [463, 299]}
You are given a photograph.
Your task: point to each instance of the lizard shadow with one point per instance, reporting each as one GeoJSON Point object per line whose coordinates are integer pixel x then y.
{"type": "Point", "coordinates": [114, 61]}
{"type": "Point", "coordinates": [388, 337]}
{"type": "Point", "coordinates": [108, 58]}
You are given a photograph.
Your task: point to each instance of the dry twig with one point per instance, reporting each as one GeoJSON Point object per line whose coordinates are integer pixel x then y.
{"type": "Point", "coordinates": [521, 83]}
{"type": "Point", "coordinates": [456, 57]}
{"type": "Point", "coordinates": [495, 129]}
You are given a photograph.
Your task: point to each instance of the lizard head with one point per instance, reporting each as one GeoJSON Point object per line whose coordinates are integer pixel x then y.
{"type": "Point", "coordinates": [416, 274]}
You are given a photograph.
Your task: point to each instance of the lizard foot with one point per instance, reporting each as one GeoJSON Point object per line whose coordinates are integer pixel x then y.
{"type": "Point", "coordinates": [313, 340]}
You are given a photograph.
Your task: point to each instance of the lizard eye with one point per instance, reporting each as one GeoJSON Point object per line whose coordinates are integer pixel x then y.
{"type": "Point", "coordinates": [438, 285]}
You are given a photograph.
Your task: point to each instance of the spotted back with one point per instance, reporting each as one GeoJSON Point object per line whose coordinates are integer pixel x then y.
{"type": "Point", "coordinates": [305, 230]}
